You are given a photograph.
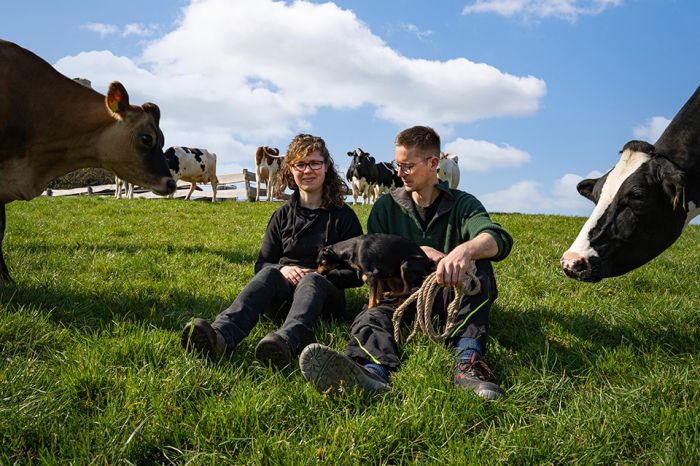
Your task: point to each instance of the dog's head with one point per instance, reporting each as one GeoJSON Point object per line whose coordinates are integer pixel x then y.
{"type": "Point", "coordinates": [328, 260]}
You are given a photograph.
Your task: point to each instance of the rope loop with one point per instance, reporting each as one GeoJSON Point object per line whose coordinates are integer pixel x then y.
{"type": "Point", "coordinates": [425, 297]}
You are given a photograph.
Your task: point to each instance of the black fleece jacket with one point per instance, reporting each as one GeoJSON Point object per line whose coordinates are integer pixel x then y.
{"type": "Point", "coordinates": [295, 235]}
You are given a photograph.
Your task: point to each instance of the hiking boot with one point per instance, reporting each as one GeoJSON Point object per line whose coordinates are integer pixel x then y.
{"type": "Point", "coordinates": [333, 372]}
{"type": "Point", "coordinates": [274, 350]}
{"type": "Point", "coordinates": [476, 375]}
{"type": "Point", "coordinates": [198, 336]}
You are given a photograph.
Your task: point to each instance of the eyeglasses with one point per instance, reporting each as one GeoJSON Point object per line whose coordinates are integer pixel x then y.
{"type": "Point", "coordinates": [407, 168]}
{"type": "Point", "coordinates": [314, 165]}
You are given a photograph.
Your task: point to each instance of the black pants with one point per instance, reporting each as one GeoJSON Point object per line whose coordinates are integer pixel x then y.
{"type": "Point", "coordinates": [271, 294]}
{"type": "Point", "coordinates": [372, 331]}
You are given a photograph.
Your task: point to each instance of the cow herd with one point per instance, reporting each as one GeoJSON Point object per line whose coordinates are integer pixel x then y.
{"type": "Point", "coordinates": [51, 125]}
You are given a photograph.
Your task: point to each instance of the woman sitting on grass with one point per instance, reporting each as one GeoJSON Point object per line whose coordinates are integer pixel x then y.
{"type": "Point", "coordinates": [285, 280]}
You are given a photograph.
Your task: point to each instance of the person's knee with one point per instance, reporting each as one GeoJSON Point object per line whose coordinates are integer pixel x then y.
{"type": "Point", "coordinates": [378, 316]}
{"type": "Point", "coordinates": [269, 274]}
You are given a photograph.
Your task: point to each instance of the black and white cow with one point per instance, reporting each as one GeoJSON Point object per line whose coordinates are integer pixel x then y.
{"type": "Point", "coordinates": [193, 165]}
{"type": "Point", "coordinates": [361, 175]}
{"type": "Point", "coordinates": [642, 204]}
{"type": "Point", "coordinates": [387, 178]}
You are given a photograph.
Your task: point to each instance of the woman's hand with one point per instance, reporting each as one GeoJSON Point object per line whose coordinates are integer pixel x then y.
{"type": "Point", "coordinates": [294, 273]}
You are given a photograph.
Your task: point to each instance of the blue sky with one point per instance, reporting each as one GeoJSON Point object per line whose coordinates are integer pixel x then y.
{"type": "Point", "coordinates": [532, 95]}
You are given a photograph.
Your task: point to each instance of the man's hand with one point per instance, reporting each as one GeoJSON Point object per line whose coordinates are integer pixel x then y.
{"type": "Point", "coordinates": [452, 268]}
{"type": "Point", "coordinates": [294, 273]}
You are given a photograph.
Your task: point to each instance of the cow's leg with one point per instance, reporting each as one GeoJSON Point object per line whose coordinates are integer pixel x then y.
{"type": "Point", "coordinates": [268, 188]}
{"type": "Point", "coordinates": [257, 187]}
{"type": "Point", "coordinates": [193, 186]}
{"type": "Point", "coordinates": [214, 184]}
{"type": "Point", "coordinates": [5, 278]}
{"type": "Point", "coordinates": [130, 190]}
{"type": "Point", "coordinates": [118, 188]}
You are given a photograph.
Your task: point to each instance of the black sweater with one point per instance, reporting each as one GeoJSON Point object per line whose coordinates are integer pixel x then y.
{"type": "Point", "coordinates": [295, 235]}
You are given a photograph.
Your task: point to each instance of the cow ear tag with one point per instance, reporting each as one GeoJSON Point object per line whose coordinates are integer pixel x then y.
{"type": "Point", "coordinates": [117, 98]}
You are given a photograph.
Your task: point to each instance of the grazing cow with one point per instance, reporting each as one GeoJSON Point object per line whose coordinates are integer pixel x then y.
{"type": "Point", "coordinates": [362, 174]}
{"type": "Point", "coordinates": [128, 188]}
{"type": "Point", "coordinates": [448, 170]}
{"type": "Point", "coordinates": [194, 166]}
{"type": "Point", "coordinates": [51, 125]}
{"type": "Point", "coordinates": [642, 204]}
{"type": "Point", "coordinates": [267, 163]}
{"type": "Point", "coordinates": [387, 178]}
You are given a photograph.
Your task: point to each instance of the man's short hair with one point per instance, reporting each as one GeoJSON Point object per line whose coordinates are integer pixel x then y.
{"type": "Point", "coordinates": [423, 138]}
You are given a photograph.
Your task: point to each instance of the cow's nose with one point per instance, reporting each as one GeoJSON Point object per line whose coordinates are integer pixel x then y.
{"type": "Point", "coordinates": [171, 185]}
{"type": "Point", "coordinates": [575, 265]}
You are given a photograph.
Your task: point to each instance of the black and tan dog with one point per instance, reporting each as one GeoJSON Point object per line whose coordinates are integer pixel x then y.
{"type": "Point", "coordinates": [392, 266]}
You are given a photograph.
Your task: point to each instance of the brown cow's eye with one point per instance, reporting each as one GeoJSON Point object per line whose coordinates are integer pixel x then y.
{"type": "Point", "coordinates": [146, 140]}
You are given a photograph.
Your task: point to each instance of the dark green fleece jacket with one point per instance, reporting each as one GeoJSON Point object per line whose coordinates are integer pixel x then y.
{"type": "Point", "coordinates": [459, 218]}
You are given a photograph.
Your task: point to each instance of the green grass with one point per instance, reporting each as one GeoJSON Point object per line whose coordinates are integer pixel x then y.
{"type": "Point", "coordinates": [92, 372]}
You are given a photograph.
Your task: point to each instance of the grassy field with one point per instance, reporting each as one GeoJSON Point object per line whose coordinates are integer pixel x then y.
{"type": "Point", "coordinates": [92, 372]}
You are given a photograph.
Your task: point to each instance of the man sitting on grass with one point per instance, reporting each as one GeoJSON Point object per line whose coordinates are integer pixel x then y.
{"type": "Point", "coordinates": [453, 229]}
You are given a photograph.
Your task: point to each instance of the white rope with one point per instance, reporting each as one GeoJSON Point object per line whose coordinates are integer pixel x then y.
{"type": "Point", "coordinates": [425, 297]}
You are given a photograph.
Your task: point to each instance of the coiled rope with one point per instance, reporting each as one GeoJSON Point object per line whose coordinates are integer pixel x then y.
{"type": "Point", "coordinates": [425, 297]}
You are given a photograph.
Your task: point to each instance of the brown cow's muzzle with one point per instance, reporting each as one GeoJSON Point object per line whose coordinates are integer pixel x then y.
{"type": "Point", "coordinates": [166, 186]}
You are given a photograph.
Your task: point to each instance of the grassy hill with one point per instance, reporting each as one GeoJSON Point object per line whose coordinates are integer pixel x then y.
{"type": "Point", "coordinates": [92, 370]}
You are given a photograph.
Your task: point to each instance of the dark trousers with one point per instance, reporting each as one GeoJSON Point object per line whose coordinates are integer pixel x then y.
{"type": "Point", "coordinates": [271, 294]}
{"type": "Point", "coordinates": [372, 331]}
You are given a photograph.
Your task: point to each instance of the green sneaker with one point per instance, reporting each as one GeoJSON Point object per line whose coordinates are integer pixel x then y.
{"type": "Point", "coordinates": [333, 372]}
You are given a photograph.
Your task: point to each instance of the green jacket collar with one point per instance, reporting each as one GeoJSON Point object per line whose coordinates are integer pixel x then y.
{"type": "Point", "coordinates": [403, 199]}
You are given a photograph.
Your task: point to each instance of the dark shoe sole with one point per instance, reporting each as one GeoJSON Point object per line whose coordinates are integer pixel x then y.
{"type": "Point", "coordinates": [198, 336]}
{"type": "Point", "coordinates": [332, 372]}
{"type": "Point", "coordinates": [273, 350]}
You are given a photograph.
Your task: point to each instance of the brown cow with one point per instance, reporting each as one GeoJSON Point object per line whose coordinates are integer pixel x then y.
{"type": "Point", "coordinates": [267, 162]}
{"type": "Point", "coordinates": [51, 125]}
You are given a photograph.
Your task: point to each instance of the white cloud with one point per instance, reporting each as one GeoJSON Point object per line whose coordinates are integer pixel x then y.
{"type": "Point", "coordinates": [531, 197]}
{"type": "Point", "coordinates": [568, 10]}
{"type": "Point", "coordinates": [131, 29]}
{"type": "Point", "coordinates": [413, 29]}
{"type": "Point", "coordinates": [652, 129]}
{"type": "Point", "coordinates": [255, 71]}
{"type": "Point", "coordinates": [136, 29]}
{"type": "Point", "coordinates": [481, 156]}
{"type": "Point", "coordinates": [100, 28]}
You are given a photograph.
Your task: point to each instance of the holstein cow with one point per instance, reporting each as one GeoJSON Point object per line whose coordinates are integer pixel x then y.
{"type": "Point", "coordinates": [51, 125]}
{"type": "Point", "coordinates": [362, 175]}
{"type": "Point", "coordinates": [193, 165]}
{"type": "Point", "coordinates": [267, 163]}
{"type": "Point", "coordinates": [642, 204]}
{"type": "Point", "coordinates": [387, 178]}
{"type": "Point", "coordinates": [448, 170]}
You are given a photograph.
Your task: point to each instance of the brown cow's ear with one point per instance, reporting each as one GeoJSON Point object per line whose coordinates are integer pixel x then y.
{"type": "Point", "coordinates": [117, 99]}
{"type": "Point", "coordinates": [153, 109]}
{"type": "Point", "coordinates": [585, 188]}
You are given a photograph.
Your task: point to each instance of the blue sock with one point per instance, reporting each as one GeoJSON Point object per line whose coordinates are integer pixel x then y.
{"type": "Point", "coordinates": [466, 348]}
{"type": "Point", "coordinates": [378, 369]}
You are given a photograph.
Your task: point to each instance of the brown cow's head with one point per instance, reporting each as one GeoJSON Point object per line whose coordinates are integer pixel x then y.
{"type": "Point", "coordinates": [133, 146]}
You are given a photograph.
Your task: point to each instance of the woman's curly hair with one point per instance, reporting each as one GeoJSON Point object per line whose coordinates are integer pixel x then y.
{"type": "Point", "coordinates": [334, 188]}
